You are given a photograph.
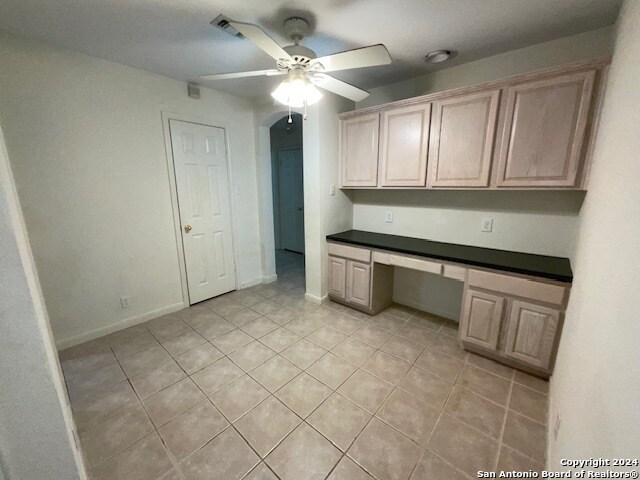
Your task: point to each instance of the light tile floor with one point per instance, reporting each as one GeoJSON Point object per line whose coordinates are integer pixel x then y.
{"type": "Point", "coordinates": [261, 384]}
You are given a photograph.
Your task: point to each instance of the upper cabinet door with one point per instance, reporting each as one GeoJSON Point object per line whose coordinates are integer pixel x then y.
{"type": "Point", "coordinates": [544, 128]}
{"type": "Point", "coordinates": [461, 143]}
{"type": "Point", "coordinates": [403, 146]}
{"type": "Point", "coordinates": [359, 151]}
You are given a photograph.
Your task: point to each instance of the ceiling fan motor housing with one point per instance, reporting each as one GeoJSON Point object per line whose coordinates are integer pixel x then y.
{"type": "Point", "coordinates": [296, 28]}
{"type": "Point", "coordinates": [301, 55]}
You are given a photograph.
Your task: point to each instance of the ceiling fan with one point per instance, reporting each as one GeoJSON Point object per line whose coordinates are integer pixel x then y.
{"type": "Point", "coordinates": [304, 70]}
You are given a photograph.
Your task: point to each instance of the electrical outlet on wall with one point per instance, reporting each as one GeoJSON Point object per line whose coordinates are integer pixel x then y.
{"type": "Point", "coordinates": [389, 217]}
{"type": "Point", "coordinates": [487, 225]}
{"type": "Point", "coordinates": [125, 302]}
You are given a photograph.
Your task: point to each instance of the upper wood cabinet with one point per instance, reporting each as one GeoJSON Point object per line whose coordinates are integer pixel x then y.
{"type": "Point", "coordinates": [359, 151]}
{"type": "Point", "coordinates": [531, 131]}
{"type": "Point", "coordinates": [404, 140]}
{"type": "Point", "coordinates": [544, 128]}
{"type": "Point", "coordinates": [461, 143]}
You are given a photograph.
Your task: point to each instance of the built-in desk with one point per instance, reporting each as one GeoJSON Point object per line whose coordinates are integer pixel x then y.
{"type": "Point", "coordinates": [512, 306]}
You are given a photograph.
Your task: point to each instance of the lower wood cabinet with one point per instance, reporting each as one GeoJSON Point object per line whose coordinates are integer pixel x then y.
{"type": "Point", "coordinates": [350, 281]}
{"type": "Point", "coordinates": [514, 319]}
{"type": "Point", "coordinates": [503, 326]}
{"type": "Point", "coordinates": [481, 318]}
{"type": "Point", "coordinates": [358, 283]}
{"type": "Point", "coordinates": [531, 334]}
{"type": "Point", "coordinates": [337, 277]}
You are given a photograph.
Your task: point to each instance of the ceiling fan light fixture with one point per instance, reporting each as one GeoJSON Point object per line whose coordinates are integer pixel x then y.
{"type": "Point", "coordinates": [438, 56]}
{"type": "Point", "coordinates": [296, 91]}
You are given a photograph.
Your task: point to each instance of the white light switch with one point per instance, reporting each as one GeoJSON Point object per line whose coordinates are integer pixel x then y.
{"type": "Point", "coordinates": [487, 225]}
{"type": "Point", "coordinates": [389, 217]}
{"type": "Point", "coordinates": [332, 190]}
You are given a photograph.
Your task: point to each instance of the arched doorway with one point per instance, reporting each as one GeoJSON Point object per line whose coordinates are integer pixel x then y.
{"type": "Point", "coordinates": [288, 197]}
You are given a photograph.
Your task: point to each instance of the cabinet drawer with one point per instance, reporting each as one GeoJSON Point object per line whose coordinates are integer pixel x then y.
{"type": "Point", "coordinates": [354, 253]}
{"type": "Point", "coordinates": [415, 264]}
{"type": "Point", "coordinates": [455, 272]}
{"type": "Point", "coordinates": [380, 257]}
{"type": "Point", "coordinates": [518, 287]}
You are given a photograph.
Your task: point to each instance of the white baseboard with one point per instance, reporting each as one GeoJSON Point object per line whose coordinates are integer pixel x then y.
{"type": "Point", "coordinates": [270, 278]}
{"type": "Point", "coordinates": [427, 308]}
{"type": "Point", "coordinates": [315, 299]}
{"type": "Point", "coordinates": [250, 283]}
{"type": "Point", "coordinates": [114, 327]}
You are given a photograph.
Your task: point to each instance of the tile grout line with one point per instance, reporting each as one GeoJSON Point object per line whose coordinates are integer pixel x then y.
{"type": "Point", "coordinates": [172, 459]}
{"type": "Point", "coordinates": [504, 425]}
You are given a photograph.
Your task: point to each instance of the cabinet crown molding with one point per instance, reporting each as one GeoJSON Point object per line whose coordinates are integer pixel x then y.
{"type": "Point", "coordinates": [541, 74]}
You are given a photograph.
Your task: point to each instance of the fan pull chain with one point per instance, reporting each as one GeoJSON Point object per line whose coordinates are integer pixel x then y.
{"type": "Point", "coordinates": [305, 110]}
{"type": "Point", "coordinates": [290, 119]}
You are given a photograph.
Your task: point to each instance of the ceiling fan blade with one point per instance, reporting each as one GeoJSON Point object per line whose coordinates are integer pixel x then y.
{"type": "Point", "coordinates": [339, 87]}
{"type": "Point", "coordinates": [254, 73]}
{"type": "Point", "coordinates": [261, 39]}
{"type": "Point", "coordinates": [360, 57]}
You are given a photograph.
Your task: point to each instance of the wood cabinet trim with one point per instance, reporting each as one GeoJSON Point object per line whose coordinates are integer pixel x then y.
{"type": "Point", "coordinates": [574, 67]}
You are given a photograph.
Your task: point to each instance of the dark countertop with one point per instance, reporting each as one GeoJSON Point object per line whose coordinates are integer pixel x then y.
{"type": "Point", "coordinates": [554, 268]}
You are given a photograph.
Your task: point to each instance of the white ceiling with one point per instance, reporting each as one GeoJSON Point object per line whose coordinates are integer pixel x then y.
{"type": "Point", "coordinates": [174, 38]}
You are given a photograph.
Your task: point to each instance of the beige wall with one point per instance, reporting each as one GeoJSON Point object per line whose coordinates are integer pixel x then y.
{"type": "Point", "coordinates": [86, 142]}
{"type": "Point", "coordinates": [593, 44]}
{"type": "Point", "coordinates": [595, 390]}
{"type": "Point", "coordinates": [535, 222]}
{"type": "Point", "coordinates": [36, 428]}
{"type": "Point", "coordinates": [324, 214]}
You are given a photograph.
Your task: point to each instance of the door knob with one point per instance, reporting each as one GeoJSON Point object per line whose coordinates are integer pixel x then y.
{"type": "Point", "coordinates": [300, 209]}
{"type": "Point", "coordinates": [187, 228]}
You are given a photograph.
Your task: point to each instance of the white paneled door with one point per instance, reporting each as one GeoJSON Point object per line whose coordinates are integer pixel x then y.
{"type": "Point", "coordinates": [200, 159]}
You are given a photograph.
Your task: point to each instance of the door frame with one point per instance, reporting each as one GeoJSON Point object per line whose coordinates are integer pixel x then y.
{"type": "Point", "coordinates": [280, 150]}
{"type": "Point", "coordinates": [173, 191]}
